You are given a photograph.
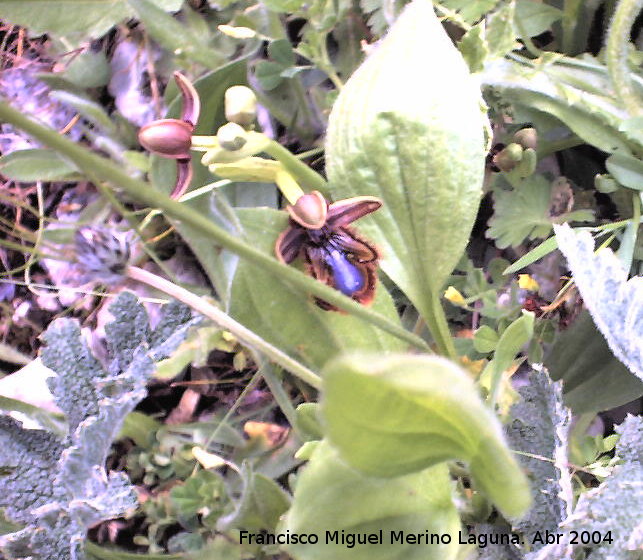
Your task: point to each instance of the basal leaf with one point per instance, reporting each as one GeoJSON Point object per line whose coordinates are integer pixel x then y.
{"type": "Point", "coordinates": [626, 169]}
{"type": "Point", "coordinates": [615, 303]}
{"type": "Point", "coordinates": [417, 146]}
{"type": "Point", "coordinates": [413, 503]}
{"type": "Point", "coordinates": [393, 415]}
{"type": "Point", "coordinates": [292, 321]}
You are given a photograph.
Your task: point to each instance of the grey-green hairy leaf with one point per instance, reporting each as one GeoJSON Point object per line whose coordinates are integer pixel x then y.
{"type": "Point", "coordinates": [615, 303]}
{"type": "Point", "coordinates": [393, 415]}
{"type": "Point", "coordinates": [615, 506]}
{"type": "Point", "coordinates": [540, 426]}
{"type": "Point", "coordinates": [413, 503]}
{"type": "Point", "coordinates": [417, 146]}
{"type": "Point", "coordinates": [58, 488]}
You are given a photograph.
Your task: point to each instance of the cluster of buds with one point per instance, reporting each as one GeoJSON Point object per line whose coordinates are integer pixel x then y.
{"type": "Point", "coordinates": [519, 156]}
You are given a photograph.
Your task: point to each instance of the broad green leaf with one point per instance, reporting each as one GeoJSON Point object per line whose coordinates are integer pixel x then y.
{"type": "Point", "coordinates": [391, 415]}
{"type": "Point", "coordinates": [578, 93]}
{"type": "Point", "coordinates": [171, 35]}
{"type": "Point", "coordinates": [594, 379]}
{"type": "Point", "coordinates": [269, 74]}
{"type": "Point", "coordinates": [536, 17]}
{"type": "Point", "coordinates": [36, 165]}
{"type": "Point", "coordinates": [281, 52]}
{"type": "Point", "coordinates": [283, 5]}
{"type": "Point", "coordinates": [417, 146]}
{"type": "Point", "coordinates": [633, 129]}
{"type": "Point", "coordinates": [615, 303]}
{"type": "Point", "coordinates": [501, 35]}
{"type": "Point", "coordinates": [261, 504]}
{"type": "Point", "coordinates": [88, 70]}
{"type": "Point", "coordinates": [474, 47]}
{"type": "Point", "coordinates": [485, 339]}
{"type": "Point", "coordinates": [290, 320]}
{"type": "Point", "coordinates": [523, 212]}
{"type": "Point", "coordinates": [626, 169]}
{"type": "Point", "coordinates": [470, 11]}
{"type": "Point", "coordinates": [417, 503]}
{"type": "Point", "coordinates": [87, 18]}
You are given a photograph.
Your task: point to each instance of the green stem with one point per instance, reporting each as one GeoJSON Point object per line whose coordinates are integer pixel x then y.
{"type": "Point", "coordinates": [616, 52]}
{"type": "Point", "coordinates": [299, 170]}
{"type": "Point", "coordinates": [437, 323]}
{"type": "Point", "coordinates": [145, 194]}
{"type": "Point", "coordinates": [221, 319]}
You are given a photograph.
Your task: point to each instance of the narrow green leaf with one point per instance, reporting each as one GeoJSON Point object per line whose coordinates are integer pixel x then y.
{"type": "Point", "coordinates": [513, 338]}
{"type": "Point", "coordinates": [269, 74]}
{"type": "Point", "coordinates": [36, 165]}
{"type": "Point", "coordinates": [92, 111]}
{"type": "Point", "coordinates": [532, 256]}
{"type": "Point", "coordinates": [397, 414]}
{"type": "Point", "coordinates": [415, 503]}
{"type": "Point", "coordinates": [88, 70]}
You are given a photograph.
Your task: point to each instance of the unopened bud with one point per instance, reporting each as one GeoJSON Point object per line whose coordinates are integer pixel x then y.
{"type": "Point", "coordinates": [509, 157]}
{"type": "Point", "coordinates": [310, 210]}
{"type": "Point", "coordinates": [240, 105]}
{"type": "Point", "coordinates": [170, 138]}
{"type": "Point", "coordinates": [231, 137]}
{"type": "Point", "coordinates": [527, 138]}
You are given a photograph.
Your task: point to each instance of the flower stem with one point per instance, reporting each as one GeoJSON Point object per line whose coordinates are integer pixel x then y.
{"type": "Point", "coordinates": [616, 51]}
{"type": "Point", "coordinates": [145, 194]}
{"type": "Point", "coordinates": [298, 169]}
{"type": "Point", "coordinates": [226, 322]}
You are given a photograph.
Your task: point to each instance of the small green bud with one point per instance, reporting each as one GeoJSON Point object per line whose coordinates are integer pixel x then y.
{"type": "Point", "coordinates": [509, 157]}
{"type": "Point", "coordinates": [527, 138]}
{"type": "Point", "coordinates": [231, 137]}
{"type": "Point", "coordinates": [605, 184]}
{"type": "Point", "coordinates": [240, 105]}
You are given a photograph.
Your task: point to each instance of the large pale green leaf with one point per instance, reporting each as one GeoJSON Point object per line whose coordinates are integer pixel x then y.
{"type": "Point", "coordinates": [89, 18]}
{"type": "Point", "coordinates": [418, 145]}
{"type": "Point", "coordinates": [331, 497]}
{"type": "Point", "coordinates": [394, 415]}
{"type": "Point", "coordinates": [536, 17]}
{"type": "Point", "coordinates": [292, 321]}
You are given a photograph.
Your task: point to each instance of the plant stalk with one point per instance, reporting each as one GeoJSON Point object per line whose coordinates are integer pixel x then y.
{"type": "Point", "coordinates": [226, 322]}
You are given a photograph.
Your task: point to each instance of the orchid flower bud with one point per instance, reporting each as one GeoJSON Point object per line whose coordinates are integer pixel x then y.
{"type": "Point", "coordinates": [240, 105]}
{"type": "Point", "coordinates": [231, 137]}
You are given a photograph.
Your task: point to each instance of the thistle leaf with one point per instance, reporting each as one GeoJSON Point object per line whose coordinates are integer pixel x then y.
{"type": "Point", "coordinates": [615, 303]}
